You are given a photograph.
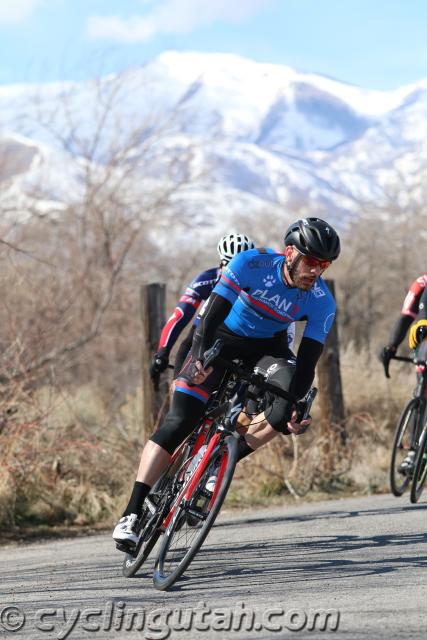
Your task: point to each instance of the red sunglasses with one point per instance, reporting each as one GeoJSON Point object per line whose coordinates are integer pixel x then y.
{"type": "Point", "coordinates": [315, 262]}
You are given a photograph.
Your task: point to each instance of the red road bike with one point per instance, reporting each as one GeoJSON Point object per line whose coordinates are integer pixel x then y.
{"type": "Point", "coordinates": [180, 509]}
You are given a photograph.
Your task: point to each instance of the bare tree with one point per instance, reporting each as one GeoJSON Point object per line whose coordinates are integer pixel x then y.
{"type": "Point", "coordinates": [67, 274]}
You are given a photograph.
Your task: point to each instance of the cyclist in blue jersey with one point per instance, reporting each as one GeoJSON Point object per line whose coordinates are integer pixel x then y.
{"type": "Point", "coordinates": [198, 291]}
{"type": "Point", "coordinates": [260, 293]}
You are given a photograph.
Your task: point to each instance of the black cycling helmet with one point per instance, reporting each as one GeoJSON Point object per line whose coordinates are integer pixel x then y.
{"type": "Point", "coordinates": [314, 237]}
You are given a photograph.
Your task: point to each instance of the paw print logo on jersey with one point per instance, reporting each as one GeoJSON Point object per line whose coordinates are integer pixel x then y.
{"type": "Point", "coordinates": [269, 281]}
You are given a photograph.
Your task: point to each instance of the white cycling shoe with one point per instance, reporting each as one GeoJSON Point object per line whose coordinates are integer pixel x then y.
{"type": "Point", "coordinates": [211, 483]}
{"type": "Point", "coordinates": [407, 466]}
{"type": "Point", "coordinates": [127, 530]}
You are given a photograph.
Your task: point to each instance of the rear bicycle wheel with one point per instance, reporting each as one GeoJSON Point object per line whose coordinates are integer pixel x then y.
{"type": "Point", "coordinates": [406, 426]}
{"type": "Point", "coordinates": [134, 561]}
{"type": "Point", "coordinates": [182, 538]}
{"type": "Point", "coordinates": [150, 518]}
{"type": "Point", "coordinates": [420, 468]}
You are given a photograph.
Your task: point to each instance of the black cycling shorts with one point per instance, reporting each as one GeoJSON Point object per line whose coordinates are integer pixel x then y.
{"type": "Point", "coordinates": [189, 400]}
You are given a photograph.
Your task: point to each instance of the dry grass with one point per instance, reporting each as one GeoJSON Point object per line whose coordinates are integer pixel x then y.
{"type": "Point", "coordinates": [298, 467]}
{"type": "Point", "coordinates": [67, 459]}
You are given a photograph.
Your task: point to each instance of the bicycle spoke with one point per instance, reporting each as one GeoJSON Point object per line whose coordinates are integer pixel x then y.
{"type": "Point", "coordinates": [424, 472]}
{"type": "Point", "coordinates": [402, 444]}
{"type": "Point", "coordinates": [186, 526]}
{"type": "Point", "coordinates": [159, 495]}
{"type": "Point", "coordinates": [420, 471]}
{"type": "Point", "coordinates": [181, 543]}
{"type": "Point", "coordinates": [184, 536]}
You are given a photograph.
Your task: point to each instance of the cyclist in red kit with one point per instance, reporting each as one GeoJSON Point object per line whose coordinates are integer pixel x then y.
{"type": "Point", "coordinates": [414, 308]}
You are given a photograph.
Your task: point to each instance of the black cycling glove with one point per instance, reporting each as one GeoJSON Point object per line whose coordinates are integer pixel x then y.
{"type": "Point", "coordinates": [159, 363]}
{"type": "Point", "coordinates": [386, 355]}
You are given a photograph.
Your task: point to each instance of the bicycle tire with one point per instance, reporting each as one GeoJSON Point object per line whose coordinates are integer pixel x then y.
{"type": "Point", "coordinates": [164, 579]}
{"type": "Point", "coordinates": [409, 413]}
{"type": "Point", "coordinates": [133, 562]}
{"type": "Point", "coordinates": [420, 468]}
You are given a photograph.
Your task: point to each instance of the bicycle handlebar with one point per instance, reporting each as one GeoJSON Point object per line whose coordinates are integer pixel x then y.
{"type": "Point", "coordinates": [414, 361]}
{"type": "Point", "coordinates": [250, 376]}
{"type": "Point", "coordinates": [256, 379]}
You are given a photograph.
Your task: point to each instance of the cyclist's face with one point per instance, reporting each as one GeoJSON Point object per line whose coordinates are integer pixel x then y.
{"type": "Point", "coordinates": [306, 269]}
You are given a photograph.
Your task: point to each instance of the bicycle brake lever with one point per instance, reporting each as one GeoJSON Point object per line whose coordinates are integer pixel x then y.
{"type": "Point", "coordinates": [211, 354]}
{"type": "Point", "coordinates": [304, 406]}
{"type": "Point", "coordinates": [386, 369]}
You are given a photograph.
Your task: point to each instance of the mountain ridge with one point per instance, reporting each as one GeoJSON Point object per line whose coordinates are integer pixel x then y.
{"type": "Point", "coordinates": [256, 131]}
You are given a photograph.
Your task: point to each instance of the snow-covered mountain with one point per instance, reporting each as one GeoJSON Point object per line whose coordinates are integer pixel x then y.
{"type": "Point", "coordinates": [242, 136]}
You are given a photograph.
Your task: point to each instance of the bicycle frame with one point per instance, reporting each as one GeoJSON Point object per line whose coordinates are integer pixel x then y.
{"type": "Point", "coordinates": [228, 407]}
{"type": "Point", "coordinates": [189, 486]}
{"type": "Point", "coordinates": [225, 427]}
{"type": "Point", "coordinates": [419, 394]}
{"type": "Point", "coordinates": [232, 409]}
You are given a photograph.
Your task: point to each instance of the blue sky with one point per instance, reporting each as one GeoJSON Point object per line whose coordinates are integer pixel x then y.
{"type": "Point", "coordinates": [377, 44]}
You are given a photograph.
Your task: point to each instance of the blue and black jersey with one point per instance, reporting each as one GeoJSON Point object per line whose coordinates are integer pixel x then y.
{"type": "Point", "coordinates": [264, 304]}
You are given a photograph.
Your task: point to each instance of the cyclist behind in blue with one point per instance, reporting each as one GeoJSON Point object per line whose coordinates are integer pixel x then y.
{"type": "Point", "coordinates": [196, 293]}
{"type": "Point", "coordinates": [257, 297]}
{"type": "Point", "coordinates": [414, 308]}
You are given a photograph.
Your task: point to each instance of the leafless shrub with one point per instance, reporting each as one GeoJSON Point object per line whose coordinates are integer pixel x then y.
{"type": "Point", "coordinates": [70, 325]}
{"type": "Point", "coordinates": [69, 291]}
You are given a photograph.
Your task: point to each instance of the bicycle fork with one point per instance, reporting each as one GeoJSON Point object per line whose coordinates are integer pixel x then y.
{"type": "Point", "coordinates": [188, 488]}
{"type": "Point", "coordinates": [226, 428]}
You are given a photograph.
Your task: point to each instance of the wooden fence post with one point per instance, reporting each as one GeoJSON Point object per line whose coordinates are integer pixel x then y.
{"type": "Point", "coordinates": [153, 318]}
{"type": "Point", "coordinates": [331, 401]}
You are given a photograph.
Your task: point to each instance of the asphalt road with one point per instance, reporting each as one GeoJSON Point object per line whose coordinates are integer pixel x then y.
{"type": "Point", "coordinates": [261, 574]}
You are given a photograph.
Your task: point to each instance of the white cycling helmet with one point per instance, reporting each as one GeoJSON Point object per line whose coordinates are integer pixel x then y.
{"type": "Point", "coordinates": [232, 244]}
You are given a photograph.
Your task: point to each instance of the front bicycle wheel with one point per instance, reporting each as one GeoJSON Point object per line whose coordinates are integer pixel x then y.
{"type": "Point", "coordinates": [420, 468]}
{"type": "Point", "coordinates": [184, 536]}
{"type": "Point", "coordinates": [402, 440]}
